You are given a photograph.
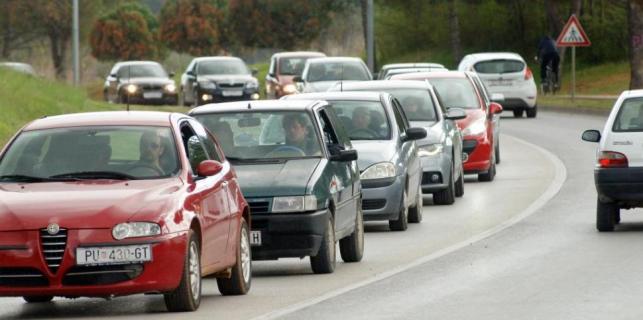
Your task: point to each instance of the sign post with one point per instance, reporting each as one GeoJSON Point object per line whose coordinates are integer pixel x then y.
{"type": "Point", "coordinates": [573, 36]}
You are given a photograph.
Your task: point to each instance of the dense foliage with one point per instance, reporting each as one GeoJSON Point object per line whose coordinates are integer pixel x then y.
{"type": "Point", "coordinates": [191, 26]}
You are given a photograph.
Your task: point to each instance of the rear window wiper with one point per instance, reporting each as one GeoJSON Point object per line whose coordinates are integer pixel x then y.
{"type": "Point", "coordinates": [95, 175]}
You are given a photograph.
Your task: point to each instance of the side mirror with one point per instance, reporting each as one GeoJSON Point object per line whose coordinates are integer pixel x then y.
{"type": "Point", "coordinates": [190, 73]}
{"type": "Point", "coordinates": [455, 114]}
{"type": "Point", "coordinates": [113, 75]}
{"type": "Point", "coordinates": [209, 168]}
{"type": "Point", "coordinates": [171, 74]}
{"type": "Point", "coordinates": [498, 97]}
{"type": "Point", "coordinates": [254, 71]}
{"type": "Point", "coordinates": [591, 136]}
{"type": "Point", "coordinates": [495, 108]}
{"type": "Point", "coordinates": [414, 134]}
{"type": "Point", "coordinates": [345, 156]}
{"type": "Point", "coordinates": [298, 79]}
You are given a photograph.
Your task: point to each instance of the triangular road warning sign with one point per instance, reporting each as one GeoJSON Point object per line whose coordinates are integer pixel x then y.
{"type": "Point", "coordinates": [573, 35]}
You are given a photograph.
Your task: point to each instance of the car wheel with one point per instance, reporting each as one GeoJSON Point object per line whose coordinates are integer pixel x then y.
{"type": "Point", "coordinates": [326, 258]}
{"type": "Point", "coordinates": [531, 112]}
{"type": "Point", "coordinates": [459, 185]}
{"type": "Point", "coordinates": [606, 213]}
{"type": "Point", "coordinates": [402, 221]}
{"type": "Point", "coordinates": [497, 152]}
{"type": "Point", "coordinates": [518, 113]}
{"type": "Point", "coordinates": [351, 248]}
{"type": "Point", "coordinates": [37, 299]}
{"type": "Point", "coordinates": [239, 282]}
{"type": "Point", "coordinates": [446, 196]}
{"type": "Point", "coordinates": [415, 212]}
{"type": "Point", "coordinates": [490, 174]}
{"type": "Point", "coordinates": [195, 99]}
{"type": "Point", "coordinates": [187, 296]}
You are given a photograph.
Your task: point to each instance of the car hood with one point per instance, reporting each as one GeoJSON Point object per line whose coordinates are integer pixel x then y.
{"type": "Point", "coordinates": [371, 152]}
{"type": "Point", "coordinates": [230, 79]}
{"type": "Point", "coordinates": [472, 115]}
{"type": "Point", "coordinates": [147, 80]}
{"type": "Point", "coordinates": [434, 132]}
{"type": "Point", "coordinates": [289, 178]}
{"type": "Point", "coordinates": [81, 205]}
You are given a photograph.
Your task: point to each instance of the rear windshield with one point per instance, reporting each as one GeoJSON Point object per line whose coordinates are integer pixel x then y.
{"type": "Point", "coordinates": [499, 66]}
{"type": "Point", "coordinates": [630, 116]}
{"type": "Point", "coordinates": [456, 92]}
{"type": "Point", "coordinates": [364, 120]}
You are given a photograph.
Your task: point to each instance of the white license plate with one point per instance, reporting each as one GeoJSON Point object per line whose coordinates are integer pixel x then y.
{"type": "Point", "coordinates": [232, 93]}
{"type": "Point", "coordinates": [152, 95]}
{"type": "Point", "coordinates": [113, 255]}
{"type": "Point", "coordinates": [501, 83]}
{"type": "Point", "coordinates": [255, 238]}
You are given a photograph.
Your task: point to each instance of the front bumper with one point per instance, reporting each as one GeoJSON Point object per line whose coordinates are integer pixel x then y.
{"type": "Point", "coordinates": [289, 235]}
{"type": "Point", "coordinates": [479, 151]}
{"type": "Point", "coordinates": [621, 185]}
{"type": "Point", "coordinates": [162, 274]}
{"type": "Point", "coordinates": [438, 166]}
{"type": "Point", "coordinates": [165, 98]}
{"type": "Point", "coordinates": [226, 94]}
{"type": "Point", "coordinates": [381, 198]}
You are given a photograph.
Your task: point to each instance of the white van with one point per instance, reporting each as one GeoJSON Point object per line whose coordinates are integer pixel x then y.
{"type": "Point", "coordinates": [619, 160]}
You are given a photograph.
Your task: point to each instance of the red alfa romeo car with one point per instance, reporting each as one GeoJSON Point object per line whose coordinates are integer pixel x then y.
{"type": "Point", "coordinates": [479, 128]}
{"type": "Point", "coordinates": [117, 203]}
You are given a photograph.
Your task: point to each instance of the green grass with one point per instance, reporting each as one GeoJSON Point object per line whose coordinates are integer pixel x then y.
{"type": "Point", "coordinates": [604, 79]}
{"type": "Point", "coordinates": [262, 71]}
{"type": "Point", "coordinates": [565, 102]}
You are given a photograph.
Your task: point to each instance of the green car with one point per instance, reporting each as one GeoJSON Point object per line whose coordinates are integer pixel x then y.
{"type": "Point", "coordinates": [298, 171]}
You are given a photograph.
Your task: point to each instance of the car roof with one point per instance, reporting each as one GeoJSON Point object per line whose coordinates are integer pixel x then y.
{"type": "Point", "coordinates": [632, 93]}
{"type": "Point", "coordinates": [335, 59]}
{"type": "Point", "coordinates": [412, 65]}
{"type": "Point", "coordinates": [338, 95]}
{"type": "Point", "coordinates": [133, 62]}
{"type": "Point", "coordinates": [431, 74]}
{"type": "Point", "coordinates": [493, 56]}
{"type": "Point", "coordinates": [213, 58]}
{"type": "Point", "coordinates": [286, 54]}
{"type": "Point", "coordinates": [105, 118]}
{"type": "Point", "coordinates": [377, 85]}
{"type": "Point", "coordinates": [260, 105]}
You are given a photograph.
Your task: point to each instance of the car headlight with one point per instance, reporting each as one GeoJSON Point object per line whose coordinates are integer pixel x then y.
{"type": "Point", "coordinates": [252, 85]}
{"type": "Point", "coordinates": [379, 171]}
{"type": "Point", "coordinates": [289, 89]}
{"type": "Point", "coordinates": [135, 229]}
{"type": "Point", "coordinates": [475, 128]}
{"type": "Point", "coordinates": [131, 88]}
{"type": "Point", "coordinates": [207, 85]}
{"type": "Point", "coordinates": [171, 87]}
{"type": "Point", "coordinates": [430, 150]}
{"type": "Point", "coordinates": [294, 204]}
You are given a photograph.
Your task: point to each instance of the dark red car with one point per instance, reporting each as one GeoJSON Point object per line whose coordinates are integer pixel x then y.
{"type": "Point", "coordinates": [284, 67]}
{"type": "Point", "coordinates": [479, 129]}
{"type": "Point", "coordinates": [117, 203]}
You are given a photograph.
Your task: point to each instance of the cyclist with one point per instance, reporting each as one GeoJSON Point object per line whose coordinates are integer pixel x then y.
{"type": "Point", "coordinates": [548, 53]}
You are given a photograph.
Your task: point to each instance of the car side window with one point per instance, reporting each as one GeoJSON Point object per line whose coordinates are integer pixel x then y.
{"type": "Point", "coordinates": [207, 141]}
{"type": "Point", "coordinates": [400, 119]}
{"type": "Point", "coordinates": [193, 147]}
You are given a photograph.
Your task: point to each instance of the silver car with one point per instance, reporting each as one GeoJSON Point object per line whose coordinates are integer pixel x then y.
{"type": "Point", "coordinates": [322, 73]}
{"type": "Point", "coordinates": [387, 154]}
{"type": "Point", "coordinates": [441, 151]}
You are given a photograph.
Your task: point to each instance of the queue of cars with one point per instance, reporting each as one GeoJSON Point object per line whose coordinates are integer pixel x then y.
{"type": "Point", "coordinates": [154, 195]}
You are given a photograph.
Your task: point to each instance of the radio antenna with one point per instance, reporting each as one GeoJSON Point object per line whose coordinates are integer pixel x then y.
{"type": "Point", "coordinates": [129, 75]}
{"type": "Point", "coordinates": [341, 81]}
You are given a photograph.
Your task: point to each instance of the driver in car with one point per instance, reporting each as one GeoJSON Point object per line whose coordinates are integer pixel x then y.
{"type": "Point", "coordinates": [361, 120]}
{"type": "Point", "coordinates": [296, 132]}
{"type": "Point", "coordinates": [151, 149]}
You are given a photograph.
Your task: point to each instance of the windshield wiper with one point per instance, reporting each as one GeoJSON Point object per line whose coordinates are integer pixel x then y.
{"type": "Point", "coordinates": [95, 175]}
{"type": "Point", "coordinates": [23, 178]}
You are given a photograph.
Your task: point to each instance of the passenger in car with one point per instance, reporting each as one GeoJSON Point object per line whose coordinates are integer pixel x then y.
{"type": "Point", "coordinates": [361, 118]}
{"type": "Point", "coordinates": [297, 132]}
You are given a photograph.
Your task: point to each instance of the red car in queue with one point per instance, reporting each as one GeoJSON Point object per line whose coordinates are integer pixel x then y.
{"type": "Point", "coordinates": [479, 134]}
{"type": "Point", "coordinates": [117, 203]}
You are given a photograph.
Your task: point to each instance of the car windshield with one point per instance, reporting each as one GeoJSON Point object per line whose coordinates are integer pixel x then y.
{"type": "Point", "coordinates": [292, 66]}
{"type": "Point", "coordinates": [416, 103]}
{"type": "Point", "coordinates": [363, 120]}
{"type": "Point", "coordinates": [142, 71]}
{"type": "Point", "coordinates": [630, 116]}
{"type": "Point", "coordinates": [105, 152]}
{"type": "Point", "coordinates": [264, 135]}
{"type": "Point", "coordinates": [456, 92]}
{"type": "Point", "coordinates": [335, 71]}
{"type": "Point", "coordinates": [499, 66]}
{"type": "Point", "coordinates": [215, 67]}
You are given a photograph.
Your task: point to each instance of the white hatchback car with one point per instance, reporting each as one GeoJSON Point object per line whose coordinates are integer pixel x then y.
{"type": "Point", "coordinates": [619, 169]}
{"type": "Point", "coordinates": [506, 73]}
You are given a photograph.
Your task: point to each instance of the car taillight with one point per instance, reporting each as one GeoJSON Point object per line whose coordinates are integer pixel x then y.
{"type": "Point", "coordinates": [528, 74]}
{"type": "Point", "coordinates": [611, 159]}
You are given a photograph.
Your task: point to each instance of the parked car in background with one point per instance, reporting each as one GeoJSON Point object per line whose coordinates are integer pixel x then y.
{"type": "Point", "coordinates": [140, 82]}
{"type": "Point", "coordinates": [298, 171]}
{"type": "Point", "coordinates": [390, 168]}
{"type": "Point", "coordinates": [19, 67]}
{"type": "Point", "coordinates": [389, 70]}
{"type": "Point", "coordinates": [150, 205]}
{"type": "Point", "coordinates": [508, 74]}
{"type": "Point", "coordinates": [458, 90]}
{"type": "Point", "coordinates": [218, 79]}
{"type": "Point", "coordinates": [441, 153]}
{"type": "Point", "coordinates": [619, 161]}
{"type": "Point", "coordinates": [322, 73]}
{"type": "Point", "coordinates": [284, 66]}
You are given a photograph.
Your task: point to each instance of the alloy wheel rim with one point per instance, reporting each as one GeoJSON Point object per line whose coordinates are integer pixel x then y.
{"type": "Point", "coordinates": [194, 271]}
{"type": "Point", "coordinates": [245, 256]}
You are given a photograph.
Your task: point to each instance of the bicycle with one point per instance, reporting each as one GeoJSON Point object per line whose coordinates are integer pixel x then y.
{"type": "Point", "coordinates": [549, 83]}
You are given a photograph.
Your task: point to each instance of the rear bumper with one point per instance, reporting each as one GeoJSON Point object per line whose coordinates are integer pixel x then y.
{"type": "Point", "coordinates": [621, 185]}
{"type": "Point", "coordinates": [382, 202]}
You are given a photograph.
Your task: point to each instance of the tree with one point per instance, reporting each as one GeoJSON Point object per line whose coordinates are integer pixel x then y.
{"type": "Point", "coordinates": [191, 26]}
{"type": "Point", "coordinates": [125, 34]}
{"type": "Point", "coordinates": [15, 32]}
{"type": "Point", "coordinates": [635, 12]}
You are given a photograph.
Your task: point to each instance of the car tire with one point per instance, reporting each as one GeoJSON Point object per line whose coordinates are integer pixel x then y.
{"type": "Point", "coordinates": [446, 196]}
{"type": "Point", "coordinates": [37, 299]}
{"type": "Point", "coordinates": [351, 248]}
{"type": "Point", "coordinates": [402, 221]}
{"type": "Point", "coordinates": [606, 213]}
{"type": "Point", "coordinates": [490, 174]}
{"type": "Point", "coordinates": [187, 296]}
{"type": "Point", "coordinates": [532, 112]}
{"type": "Point", "coordinates": [497, 151]}
{"type": "Point", "coordinates": [459, 185]}
{"type": "Point", "coordinates": [415, 212]}
{"type": "Point", "coordinates": [518, 113]}
{"type": "Point", "coordinates": [241, 279]}
{"type": "Point", "coordinates": [326, 258]}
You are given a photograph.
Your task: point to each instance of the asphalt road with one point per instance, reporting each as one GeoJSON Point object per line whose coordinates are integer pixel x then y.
{"type": "Point", "coordinates": [523, 246]}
